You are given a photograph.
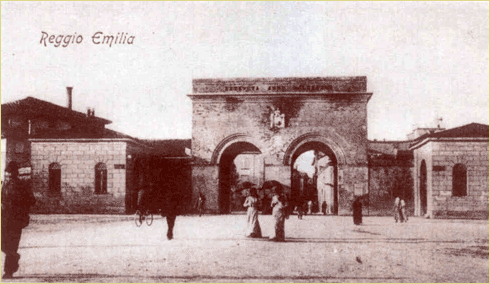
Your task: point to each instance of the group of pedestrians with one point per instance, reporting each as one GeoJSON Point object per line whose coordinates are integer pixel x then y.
{"type": "Point", "coordinates": [399, 211]}
{"type": "Point", "coordinates": [279, 204]}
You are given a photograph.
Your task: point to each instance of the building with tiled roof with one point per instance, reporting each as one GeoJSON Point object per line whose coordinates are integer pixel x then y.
{"type": "Point", "coordinates": [76, 164]}
{"type": "Point", "coordinates": [451, 172]}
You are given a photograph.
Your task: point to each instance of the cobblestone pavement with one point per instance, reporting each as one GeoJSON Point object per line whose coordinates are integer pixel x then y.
{"type": "Point", "coordinates": [81, 248]}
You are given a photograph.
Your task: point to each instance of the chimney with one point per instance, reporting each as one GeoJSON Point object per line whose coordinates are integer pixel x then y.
{"type": "Point", "coordinates": [68, 92]}
{"type": "Point", "coordinates": [90, 112]}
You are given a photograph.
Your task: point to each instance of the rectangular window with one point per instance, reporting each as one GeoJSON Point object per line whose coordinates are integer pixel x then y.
{"type": "Point", "coordinates": [459, 180]}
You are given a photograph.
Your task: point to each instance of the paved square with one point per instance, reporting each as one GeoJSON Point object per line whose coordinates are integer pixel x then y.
{"type": "Point", "coordinates": [83, 248]}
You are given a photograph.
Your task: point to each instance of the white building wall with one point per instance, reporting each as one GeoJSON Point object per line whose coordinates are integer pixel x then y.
{"type": "Point", "coordinates": [440, 158]}
{"type": "Point", "coordinates": [77, 161]}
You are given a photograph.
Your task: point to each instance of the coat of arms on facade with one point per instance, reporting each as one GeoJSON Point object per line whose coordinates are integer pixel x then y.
{"type": "Point", "coordinates": [277, 119]}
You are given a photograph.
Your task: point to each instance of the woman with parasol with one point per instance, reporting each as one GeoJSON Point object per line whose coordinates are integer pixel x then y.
{"type": "Point", "coordinates": [279, 206]}
{"type": "Point", "coordinates": [253, 226]}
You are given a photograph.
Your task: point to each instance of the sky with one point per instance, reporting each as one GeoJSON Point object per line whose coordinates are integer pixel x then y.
{"type": "Point", "coordinates": [423, 60]}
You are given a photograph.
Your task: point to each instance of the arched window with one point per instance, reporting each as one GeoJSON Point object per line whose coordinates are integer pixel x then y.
{"type": "Point", "coordinates": [54, 179]}
{"type": "Point", "coordinates": [100, 178]}
{"type": "Point", "coordinates": [459, 180]}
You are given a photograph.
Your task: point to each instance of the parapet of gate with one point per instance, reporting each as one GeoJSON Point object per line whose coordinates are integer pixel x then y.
{"type": "Point", "coordinates": [355, 84]}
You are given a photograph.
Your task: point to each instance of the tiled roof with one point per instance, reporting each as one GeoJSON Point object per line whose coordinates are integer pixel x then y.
{"type": "Point", "coordinates": [169, 147]}
{"type": "Point", "coordinates": [388, 147]}
{"type": "Point", "coordinates": [36, 107]}
{"type": "Point", "coordinates": [76, 133]}
{"type": "Point", "coordinates": [465, 131]}
{"type": "Point", "coordinates": [472, 130]}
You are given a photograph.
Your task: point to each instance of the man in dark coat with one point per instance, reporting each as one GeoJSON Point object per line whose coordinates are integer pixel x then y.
{"type": "Point", "coordinates": [357, 211]}
{"type": "Point", "coordinates": [169, 200]}
{"type": "Point", "coordinates": [17, 199]}
{"type": "Point", "coordinates": [170, 210]}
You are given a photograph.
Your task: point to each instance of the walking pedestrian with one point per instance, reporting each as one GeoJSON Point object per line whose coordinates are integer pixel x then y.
{"type": "Point", "coordinates": [300, 207]}
{"type": "Point", "coordinates": [253, 226]}
{"type": "Point", "coordinates": [324, 208]}
{"type": "Point", "coordinates": [396, 210]}
{"type": "Point", "coordinates": [357, 211]}
{"type": "Point", "coordinates": [403, 213]}
{"type": "Point", "coordinates": [279, 207]}
{"type": "Point", "coordinates": [200, 203]}
{"type": "Point", "coordinates": [17, 199]}
{"type": "Point", "coordinates": [170, 208]}
{"type": "Point", "coordinates": [266, 202]}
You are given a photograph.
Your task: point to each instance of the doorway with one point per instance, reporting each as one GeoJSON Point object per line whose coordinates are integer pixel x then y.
{"type": "Point", "coordinates": [423, 188]}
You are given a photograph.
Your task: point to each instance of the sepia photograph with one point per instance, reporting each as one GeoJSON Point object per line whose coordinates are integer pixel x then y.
{"type": "Point", "coordinates": [245, 142]}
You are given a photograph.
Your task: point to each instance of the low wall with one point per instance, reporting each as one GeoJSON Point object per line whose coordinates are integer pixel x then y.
{"type": "Point", "coordinates": [78, 204]}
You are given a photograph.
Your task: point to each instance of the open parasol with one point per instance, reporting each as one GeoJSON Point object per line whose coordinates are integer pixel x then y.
{"type": "Point", "coordinates": [271, 184]}
{"type": "Point", "coordinates": [245, 185]}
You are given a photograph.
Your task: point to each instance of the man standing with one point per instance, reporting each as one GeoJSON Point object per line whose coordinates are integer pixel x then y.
{"type": "Point", "coordinates": [200, 204]}
{"type": "Point", "coordinates": [357, 210]}
{"type": "Point", "coordinates": [170, 210]}
{"type": "Point", "coordinates": [17, 199]}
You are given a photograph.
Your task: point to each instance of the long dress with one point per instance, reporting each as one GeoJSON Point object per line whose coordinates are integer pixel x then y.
{"type": "Point", "coordinates": [357, 211]}
{"type": "Point", "coordinates": [253, 226]}
{"type": "Point", "coordinates": [403, 213]}
{"type": "Point", "coordinates": [396, 210]}
{"type": "Point", "coordinates": [279, 214]}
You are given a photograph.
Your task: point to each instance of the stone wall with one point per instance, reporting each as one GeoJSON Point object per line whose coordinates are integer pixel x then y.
{"type": "Point", "coordinates": [205, 180]}
{"type": "Point", "coordinates": [440, 158]}
{"type": "Point", "coordinates": [385, 184]}
{"type": "Point", "coordinates": [340, 121]}
{"type": "Point", "coordinates": [78, 161]}
{"type": "Point", "coordinates": [474, 155]}
{"type": "Point", "coordinates": [390, 175]}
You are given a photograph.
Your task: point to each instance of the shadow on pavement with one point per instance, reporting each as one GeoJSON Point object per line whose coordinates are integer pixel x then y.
{"type": "Point", "coordinates": [88, 278]}
{"type": "Point", "coordinates": [265, 239]}
{"type": "Point", "coordinates": [472, 251]}
{"type": "Point", "coordinates": [368, 240]}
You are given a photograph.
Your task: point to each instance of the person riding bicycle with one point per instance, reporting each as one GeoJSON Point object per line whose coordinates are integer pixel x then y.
{"type": "Point", "coordinates": [144, 198]}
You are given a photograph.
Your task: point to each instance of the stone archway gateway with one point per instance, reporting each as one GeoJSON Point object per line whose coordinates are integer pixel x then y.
{"type": "Point", "coordinates": [279, 118]}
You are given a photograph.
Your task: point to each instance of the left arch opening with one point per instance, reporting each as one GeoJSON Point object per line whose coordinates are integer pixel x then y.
{"type": "Point", "coordinates": [240, 162]}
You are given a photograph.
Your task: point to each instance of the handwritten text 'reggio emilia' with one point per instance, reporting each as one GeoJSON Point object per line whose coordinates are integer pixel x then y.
{"type": "Point", "coordinates": [97, 38]}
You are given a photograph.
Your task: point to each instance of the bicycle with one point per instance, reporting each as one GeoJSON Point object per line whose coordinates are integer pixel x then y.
{"type": "Point", "coordinates": [140, 217]}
